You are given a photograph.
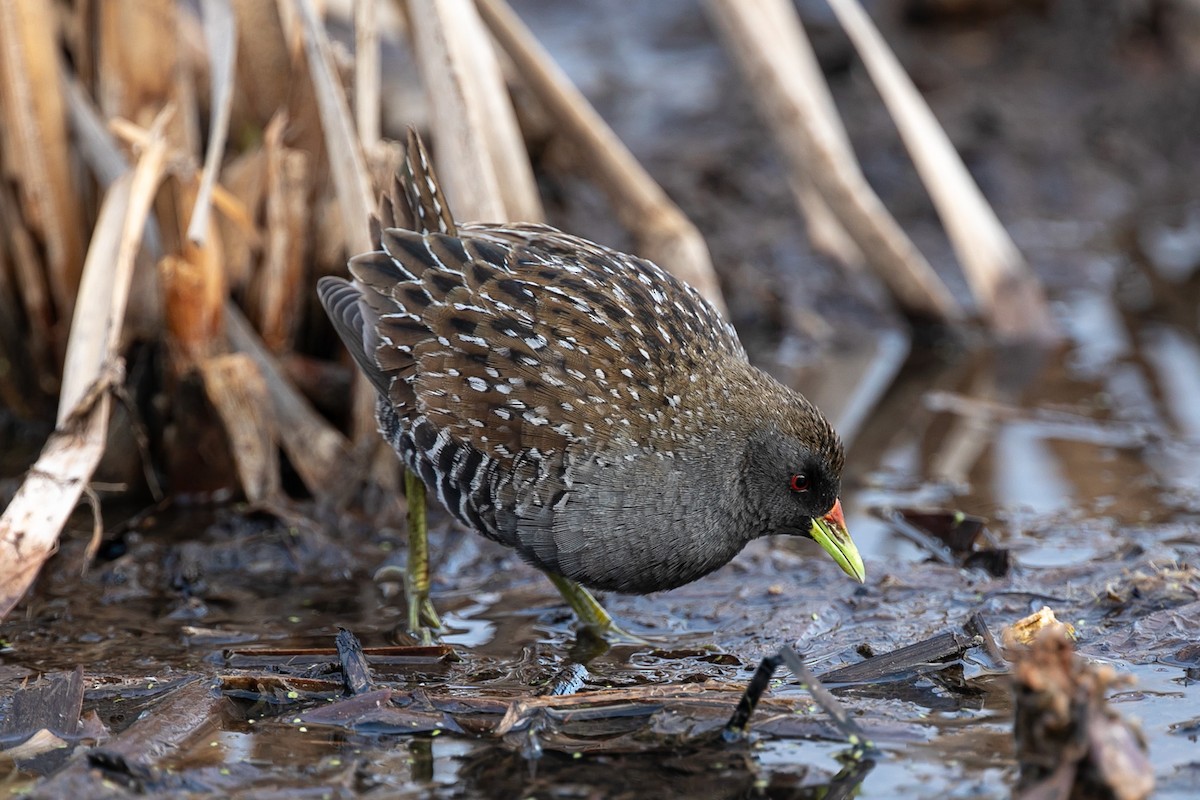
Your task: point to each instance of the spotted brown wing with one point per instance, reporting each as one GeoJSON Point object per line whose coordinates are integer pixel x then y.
{"type": "Point", "coordinates": [526, 339]}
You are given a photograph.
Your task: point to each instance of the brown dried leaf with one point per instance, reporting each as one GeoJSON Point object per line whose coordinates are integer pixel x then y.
{"type": "Point", "coordinates": [41, 742]}
{"type": "Point", "coordinates": [34, 148]}
{"type": "Point", "coordinates": [1024, 631]}
{"type": "Point", "coordinates": [237, 390]}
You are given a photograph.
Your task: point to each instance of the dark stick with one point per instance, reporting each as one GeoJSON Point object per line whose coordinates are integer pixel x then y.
{"type": "Point", "coordinates": [977, 626]}
{"type": "Point", "coordinates": [920, 657]}
{"type": "Point", "coordinates": [356, 674]}
{"type": "Point", "coordinates": [736, 727]}
{"type": "Point", "coordinates": [567, 680]}
{"type": "Point", "coordinates": [825, 699]}
{"type": "Point", "coordinates": [923, 539]}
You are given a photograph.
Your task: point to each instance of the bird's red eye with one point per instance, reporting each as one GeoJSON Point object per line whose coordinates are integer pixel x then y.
{"type": "Point", "coordinates": [800, 482]}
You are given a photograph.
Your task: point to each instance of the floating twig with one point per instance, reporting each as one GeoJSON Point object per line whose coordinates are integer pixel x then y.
{"type": "Point", "coordinates": [739, 722]}
{"type": "Point", "coordinates": [926, 656]}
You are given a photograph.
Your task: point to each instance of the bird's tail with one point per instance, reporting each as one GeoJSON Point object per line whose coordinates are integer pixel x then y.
{"type": "Point", "coordinates": [416, 202]}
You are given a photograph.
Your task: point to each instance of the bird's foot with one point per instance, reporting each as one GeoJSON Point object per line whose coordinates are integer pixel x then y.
{"type": "Point", "coordinates": [423, 620]}
{"type": "Point", "coordinates": [593, 618]}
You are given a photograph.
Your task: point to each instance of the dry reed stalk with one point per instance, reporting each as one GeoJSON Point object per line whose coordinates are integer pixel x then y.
{"type": "Point", "coordinates": [191, 67]}
{"type": "Point", "coordinates": [35, 151]}
{"type": "Point", "coordinates": [1008, 293]}
{"type": "Point", "coordinates": [191, 325]}
{"type": "Point", "coordinates": [320, 455]}
{"type": "Point", "coordinates": [263, 62]}
{"type": "Point", "coordinates": [96, 329]}
{"type": "Point", "coordinates": [364, 425]}
{"type": "Point", "coordinates": [245, 179]}
{"type": "Point", "coordinates": [79, 41]}
{"type": "Point", "coordinates": [237, 212]}
{"type": "Point", "coordinates": [195, 289]}
{"type": "Point", "coordinates": [385, 161]}
{"type": "Point", "coordinates": [138, 56]}
{"type": "Point", "coordinates": [236, 389]}
{"type": "Point", "coordinates": [661, 231]}
{"type": "Point", "coordinates": [95, 142]}
{"type": "Point", "coordinates": [220, 36]}
{"type": "Point", "coordinates": [346, 160]}
{"type": "Point", "coordinates": [147, 58]}
{"type": "Point", "coordinates": [353, 187]}
{"type": "Point", "coordinates": [367, 78]}
{"type": "Point", "coordinates": [30, 282]}
{"type": "Point", "coordinates": [769, 44]}
{"type": "Point", "coordinates": [14, 377]}
{"type": "Point", "coordinates": [281, 280]}
{"type": "Point", "coordinates": [104, 158]}
{"type": "Point", "coordinates": [31, 524]}
{"type": "Point", "coordinates": [481, 156]}
{"type": "Point", "coordinates": [825, 232]}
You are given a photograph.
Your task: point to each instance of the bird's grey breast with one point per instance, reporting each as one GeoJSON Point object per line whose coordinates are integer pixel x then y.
{"type": "Point", "coordinates": [632, 521]}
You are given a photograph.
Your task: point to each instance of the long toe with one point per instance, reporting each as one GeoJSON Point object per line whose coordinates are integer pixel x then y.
{"type": "Point", "coordinates": [592, 616]}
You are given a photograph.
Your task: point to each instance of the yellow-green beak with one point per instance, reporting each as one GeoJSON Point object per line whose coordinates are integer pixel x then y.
{"type": "Point", "coordinates": [830, 532]}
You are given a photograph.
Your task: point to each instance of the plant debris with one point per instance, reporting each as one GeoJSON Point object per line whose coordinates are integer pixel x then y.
{"type": "Point", "coordinates": [1071, 745]}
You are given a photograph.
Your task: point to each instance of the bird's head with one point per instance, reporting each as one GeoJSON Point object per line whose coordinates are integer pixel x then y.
{"type": "Point", "coordinates": [793, 476]}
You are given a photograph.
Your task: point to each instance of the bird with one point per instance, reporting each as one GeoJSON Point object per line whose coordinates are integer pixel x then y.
{"type": "Point", "coordinates": [577, 404]}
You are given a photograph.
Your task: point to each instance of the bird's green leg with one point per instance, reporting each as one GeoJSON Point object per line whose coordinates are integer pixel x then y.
{"type": "Point", "coordinates": [589, 611]}
{"type": "Point", "coordinates": [416, 577]}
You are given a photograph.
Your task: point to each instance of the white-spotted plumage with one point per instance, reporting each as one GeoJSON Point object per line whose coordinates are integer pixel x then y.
{"type": "Point", "coordinates": [544, 387]}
